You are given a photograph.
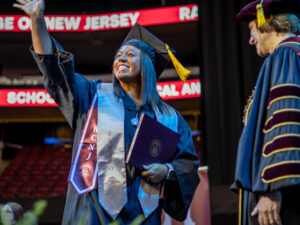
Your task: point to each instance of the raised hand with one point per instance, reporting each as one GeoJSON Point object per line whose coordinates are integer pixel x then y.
{"type": "Point", "coordinates": [40, 36]}
{"type": "Point", "coordinates": [33, 8]}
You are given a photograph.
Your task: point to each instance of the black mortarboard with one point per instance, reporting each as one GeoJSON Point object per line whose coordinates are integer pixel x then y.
{"type": "Point", "coordinates": [259, 8]}
{"type": "Point", "coordinates": [158, 51]}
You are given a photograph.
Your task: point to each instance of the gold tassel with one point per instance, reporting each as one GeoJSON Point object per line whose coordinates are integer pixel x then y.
{"type": "Point", "coordinates": [260, 15]}
{"type": "Point", "coordinates": [182, 72]}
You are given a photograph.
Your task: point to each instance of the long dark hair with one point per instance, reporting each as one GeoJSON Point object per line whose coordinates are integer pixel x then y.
{"type": "Point", "coordinates": [149, 94]}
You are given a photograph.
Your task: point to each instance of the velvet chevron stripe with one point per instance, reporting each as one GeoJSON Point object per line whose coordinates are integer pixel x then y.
{"type": "Point", "coordinates": [282, 118]}
{"type": "Point", "coordinates": [280, 171]}
{"type": "Point", "coordinates": [283, 91]}
{"type": "Point", "coordinates": [286, 142]}
{"type": "Point", "coordinates": [290, 45]}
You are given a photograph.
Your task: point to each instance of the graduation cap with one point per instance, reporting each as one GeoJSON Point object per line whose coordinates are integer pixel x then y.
{"type": "Point", "coordinates": [258, 9]}
{"type": "Point", "coordinates": [159, 52]}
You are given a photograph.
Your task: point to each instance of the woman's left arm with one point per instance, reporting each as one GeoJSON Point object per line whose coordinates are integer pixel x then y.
{"type": "Point", "coordinates": [181, 183]}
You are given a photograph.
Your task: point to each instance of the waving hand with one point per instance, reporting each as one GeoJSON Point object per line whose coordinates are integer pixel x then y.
{"type": "Point", "coordinates": [33, 8]}
{"type": "Point", "coordinates": [40, 36]}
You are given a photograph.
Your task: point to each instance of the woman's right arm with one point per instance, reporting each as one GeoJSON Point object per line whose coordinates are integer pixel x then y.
{"type": "Point", "coordinates": [71, 91]}
{"type": "Point", "coordinates": [41, 40]}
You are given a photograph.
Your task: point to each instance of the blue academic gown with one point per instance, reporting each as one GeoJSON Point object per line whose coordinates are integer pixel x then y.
{"type": "Point", "coordinates": [73, 94]}
{"type": "Point", "coordinates": [268, 156]}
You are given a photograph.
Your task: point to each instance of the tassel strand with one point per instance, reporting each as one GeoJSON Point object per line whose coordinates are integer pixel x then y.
{"type": "Point", "coordinates": [182, 72]}
{"type": "Point", "coordinates": [260, 15]}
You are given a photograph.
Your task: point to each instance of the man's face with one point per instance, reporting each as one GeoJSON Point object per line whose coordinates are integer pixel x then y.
{"type": "Point", "coordinates": [262, 41]}
{"type": "Point", "coordinates": [127, 64]}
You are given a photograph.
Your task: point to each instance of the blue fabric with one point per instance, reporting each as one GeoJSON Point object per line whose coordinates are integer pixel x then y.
{"type": "Point", "coordinates": [280, 68]}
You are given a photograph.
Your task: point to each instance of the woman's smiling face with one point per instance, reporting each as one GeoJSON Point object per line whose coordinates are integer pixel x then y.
{"type": "Point", "coordinates": [127, 64]}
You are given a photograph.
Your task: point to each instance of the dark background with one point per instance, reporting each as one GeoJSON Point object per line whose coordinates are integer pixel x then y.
{"type": "Point", "coordinates": [230, 67]}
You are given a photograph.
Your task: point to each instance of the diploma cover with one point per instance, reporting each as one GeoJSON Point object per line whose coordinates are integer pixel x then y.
{"type": "Point", "coordinates": [152, 143]}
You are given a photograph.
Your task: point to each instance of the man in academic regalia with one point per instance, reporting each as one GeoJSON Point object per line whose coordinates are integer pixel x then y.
{"type": "Point", "coordinates": [268, 162]}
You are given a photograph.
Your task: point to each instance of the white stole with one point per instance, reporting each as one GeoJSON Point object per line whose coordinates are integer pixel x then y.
{"type": "Point", "coordinates": [112, 187]}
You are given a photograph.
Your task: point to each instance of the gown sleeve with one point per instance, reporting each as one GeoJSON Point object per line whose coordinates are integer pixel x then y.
{"type": "Point", "coordinates": [70, 90]}
{"type": "Point", "coordinates": [181, 184]}
{"type": "Point", "coordinates": [279, 165]}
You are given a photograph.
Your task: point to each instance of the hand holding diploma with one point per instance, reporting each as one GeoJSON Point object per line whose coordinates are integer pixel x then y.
{"type": "Point", "coordinates": [155, 172]}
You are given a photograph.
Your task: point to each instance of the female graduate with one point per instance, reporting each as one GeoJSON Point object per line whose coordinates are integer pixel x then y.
{"type": "Point", "coordinates": [104, 117]}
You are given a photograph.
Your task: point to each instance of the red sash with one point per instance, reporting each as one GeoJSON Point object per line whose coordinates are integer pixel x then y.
{"type": "Point", "coordinates": [82, 175]}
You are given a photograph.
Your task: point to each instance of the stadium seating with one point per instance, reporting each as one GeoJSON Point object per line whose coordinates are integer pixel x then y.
{"type": "Point", "coordinates": [37, 172]}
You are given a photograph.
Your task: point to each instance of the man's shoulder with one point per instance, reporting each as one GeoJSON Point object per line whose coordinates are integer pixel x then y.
{"type": "Point", "coordinates": [290, 44]}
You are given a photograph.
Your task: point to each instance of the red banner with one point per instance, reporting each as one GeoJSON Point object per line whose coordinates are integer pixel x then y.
{"type": "Point", "coordinates": [108, 21]}
{"type": "Point", "coordinates": [25, 98]}
{"type": "Point", "coordinates": [178, 90]}
{"type": "Point", "coordinates": [40, 98]}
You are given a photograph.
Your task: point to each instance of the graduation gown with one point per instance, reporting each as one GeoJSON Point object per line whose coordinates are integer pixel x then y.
{"type": "Point", "coordinates": [73, 94]}
{"type": "Point", "coordinates": [268, 157]}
